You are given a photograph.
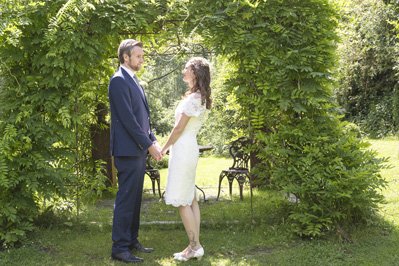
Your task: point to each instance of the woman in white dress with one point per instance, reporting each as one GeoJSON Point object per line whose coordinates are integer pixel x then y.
{"type": "Point", "coordinates": [183, 153]}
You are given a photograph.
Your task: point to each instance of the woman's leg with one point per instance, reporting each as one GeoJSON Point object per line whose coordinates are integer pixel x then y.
{"type": "Point", "coordinates": [197, 214]}
{"type": "Point", "coordinates": [190, 216]}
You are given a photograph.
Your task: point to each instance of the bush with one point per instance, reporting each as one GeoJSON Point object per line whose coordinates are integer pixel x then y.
{"type": "Point", "coordinates": [379, 121]}
{"type": "Point", "coordinates": [333, 176]}
{"type": "Point", "coordinates": [285, 56]}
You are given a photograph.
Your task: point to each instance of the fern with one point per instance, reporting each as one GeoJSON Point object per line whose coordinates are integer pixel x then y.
{"type": "Point", "coordinates": [70, 12]}
{"type": "Point", "coordinates": [65, 116]}
{"type": "Point", "coordinates": [4, 178]}
{"type": "Point", "coordinates": [9, 132]}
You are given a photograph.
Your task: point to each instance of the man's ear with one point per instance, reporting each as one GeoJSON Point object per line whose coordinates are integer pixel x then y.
{"type": "Point", "coordinates": [125, 58]}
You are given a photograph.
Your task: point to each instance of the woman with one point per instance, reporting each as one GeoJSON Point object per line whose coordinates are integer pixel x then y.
{"type": "Point", "coordinates": [183, 156]}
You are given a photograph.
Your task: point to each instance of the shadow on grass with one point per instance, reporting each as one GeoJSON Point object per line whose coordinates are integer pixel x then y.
{"type": "Point", "coordinates": [230, 234]}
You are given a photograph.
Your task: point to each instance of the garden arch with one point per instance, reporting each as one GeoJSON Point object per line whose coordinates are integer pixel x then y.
{"type": "Point", "coordinates": [57, 70]}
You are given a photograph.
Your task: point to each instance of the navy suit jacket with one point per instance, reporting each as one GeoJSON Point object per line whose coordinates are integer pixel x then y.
{"type": "Point", "coordinates": [131, 133]}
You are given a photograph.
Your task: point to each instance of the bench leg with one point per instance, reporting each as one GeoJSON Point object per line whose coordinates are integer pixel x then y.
{"type": "Point", "coordinates": [153, 185]}
{"type": "Point", "coordinates": [230, 186]}
{"type": "Point", "coordinates": [222, 174]}
{"type": "Point", "coordinates": [157, 177]}
{"type": "Point", "coordinates": [205, 200]}
{"type": "Point", "coordinates": [241, 180]}
{"type": "Point", "coordinates": [241, 185]}
{"type": "Point", "coordinates": [159, 188]}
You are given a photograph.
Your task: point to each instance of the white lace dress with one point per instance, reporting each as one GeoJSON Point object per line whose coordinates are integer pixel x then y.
{"type": "Point", "coordinates": [183, 155]}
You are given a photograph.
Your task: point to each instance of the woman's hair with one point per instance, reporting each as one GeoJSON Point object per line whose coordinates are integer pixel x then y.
{"type": "Point", "coordinates": [202, 74]}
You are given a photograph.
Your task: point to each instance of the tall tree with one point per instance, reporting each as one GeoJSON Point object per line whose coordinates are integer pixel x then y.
{"type": "Point", "coordinates": [367, 83]}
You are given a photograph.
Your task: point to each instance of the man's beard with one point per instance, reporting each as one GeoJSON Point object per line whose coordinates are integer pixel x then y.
{"type": "Point", "coordinates": [134, 67]}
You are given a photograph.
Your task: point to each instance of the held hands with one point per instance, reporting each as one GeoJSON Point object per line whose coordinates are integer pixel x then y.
{"type": "Point", "coordinates": [155, 151]}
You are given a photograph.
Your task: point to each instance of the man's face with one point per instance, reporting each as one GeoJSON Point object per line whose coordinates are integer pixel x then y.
{"type": "Point", "coordinates": [135, 60]}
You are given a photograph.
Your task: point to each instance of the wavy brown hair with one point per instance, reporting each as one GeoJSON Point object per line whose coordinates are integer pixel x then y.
{"type": "Point", "coordinates": [202, 74]}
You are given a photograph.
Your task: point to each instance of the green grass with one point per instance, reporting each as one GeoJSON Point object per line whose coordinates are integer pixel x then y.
{"type": "Point", "coordinates": [230, 234]}
{"type": "Point", "coordinates": [390, 148]}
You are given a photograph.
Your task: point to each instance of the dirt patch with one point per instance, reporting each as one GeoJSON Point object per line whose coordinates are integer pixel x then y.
{"type": "Point", "coordinates": [105, 203]}
{"type": "Point", "coordinates": [261, 250]}
{"type": "Point", "coordinates": [47, 249]}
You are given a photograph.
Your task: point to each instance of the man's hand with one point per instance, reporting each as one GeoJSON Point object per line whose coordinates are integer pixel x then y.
{"type": "Point", "coordinates": [155, 151]}
{"type": "Point", "coordinates": [156, 144]}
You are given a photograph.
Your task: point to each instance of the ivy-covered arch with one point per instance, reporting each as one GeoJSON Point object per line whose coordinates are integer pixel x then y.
{"type": "Point", "coordinates": [284, 52]}
{"type": "Point", "coordinates": [56, 60]}
{"type": "Point", "coordinates": [57, 57]}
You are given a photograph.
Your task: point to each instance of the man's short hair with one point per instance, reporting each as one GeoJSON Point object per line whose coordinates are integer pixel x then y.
{"type": "Point", "coordinates": [126, 47]}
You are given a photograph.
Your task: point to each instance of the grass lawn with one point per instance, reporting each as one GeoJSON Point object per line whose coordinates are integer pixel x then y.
{"type": "Point", "coordinates": [230, 234]}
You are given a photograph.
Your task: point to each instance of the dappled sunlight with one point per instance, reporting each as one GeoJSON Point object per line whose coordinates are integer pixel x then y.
{"type": "Point", "coordinates": [230, 233]}
{"type": "Point", "coordinates": [389, 148]}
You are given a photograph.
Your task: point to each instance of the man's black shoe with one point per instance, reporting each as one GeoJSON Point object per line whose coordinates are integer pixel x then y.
{"type": "Point", "coordinates": [140, 248]}
{"type": "Point", "coordinates": [126, 257]}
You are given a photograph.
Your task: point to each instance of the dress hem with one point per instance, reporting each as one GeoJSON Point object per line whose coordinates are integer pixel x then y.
{"type": "Point", "coordinates": [184, 204]}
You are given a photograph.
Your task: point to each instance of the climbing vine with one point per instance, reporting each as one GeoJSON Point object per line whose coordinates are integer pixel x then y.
{"type": "Point", "coordinates": [57, 56]}
{"type": "Point", "coordinates": [285, 57]}
{"type": "Point", "coordinates": [56, 60]}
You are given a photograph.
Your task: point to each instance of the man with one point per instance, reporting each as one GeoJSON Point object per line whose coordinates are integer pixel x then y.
{"type": "Point", "coordinates": [131, 138]}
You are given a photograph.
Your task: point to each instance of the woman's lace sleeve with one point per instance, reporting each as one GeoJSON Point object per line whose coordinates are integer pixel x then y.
{"type": "Point", "coordinates": [192, 107]}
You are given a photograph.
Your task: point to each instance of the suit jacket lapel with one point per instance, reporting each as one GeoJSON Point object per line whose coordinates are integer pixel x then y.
{"type": "Point", "coordinates": [132, 84]}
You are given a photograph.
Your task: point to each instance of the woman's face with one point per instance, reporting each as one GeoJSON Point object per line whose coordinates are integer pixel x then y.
{"type": "Point", "coordinates": [188, 75]}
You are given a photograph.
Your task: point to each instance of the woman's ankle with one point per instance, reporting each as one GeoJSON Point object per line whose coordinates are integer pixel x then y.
{"type": "Point", "coordinates": [196, 247]}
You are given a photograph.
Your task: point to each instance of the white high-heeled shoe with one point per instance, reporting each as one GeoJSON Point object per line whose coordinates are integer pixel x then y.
{"type": "Point", "coordinates": [180, 253]}
{"type": "Point", "coordinates": [197, 254]}
{"type": "Point", "coordinates": [177, 254]}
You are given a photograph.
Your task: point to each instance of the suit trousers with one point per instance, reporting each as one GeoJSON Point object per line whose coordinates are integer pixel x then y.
{"type": "Point", "coordinates": [126, 221]}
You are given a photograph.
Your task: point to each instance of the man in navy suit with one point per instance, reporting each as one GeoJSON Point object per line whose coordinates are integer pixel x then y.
{"type": "Point", "coordinates": [131, 138]}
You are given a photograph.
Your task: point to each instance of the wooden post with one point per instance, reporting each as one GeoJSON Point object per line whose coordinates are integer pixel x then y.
{"type": "Point", "coordinates": [100, 137]}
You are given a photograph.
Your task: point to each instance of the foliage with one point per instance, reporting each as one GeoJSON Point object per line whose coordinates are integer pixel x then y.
{"type": "Point", "coordinates": [165, 88]}
{"type": "Point", "coordinates": [217, 131]}
{"type": "Point", "coordinates": [92, 187]}
{"type": "Point", "coordinates": [284, 53]}
{"type": "Point", "coordinates": [367, 81]}
{"type": "Point", "coordinates": [55, 65]}
{"type": "Point", "coordinates": [332, 175]}
{"type": "Point", "coordinates": [57, 57]}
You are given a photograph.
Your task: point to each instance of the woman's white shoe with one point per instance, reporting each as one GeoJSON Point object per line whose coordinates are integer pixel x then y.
{"type": "Point", "coordinates": [197, 254]}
